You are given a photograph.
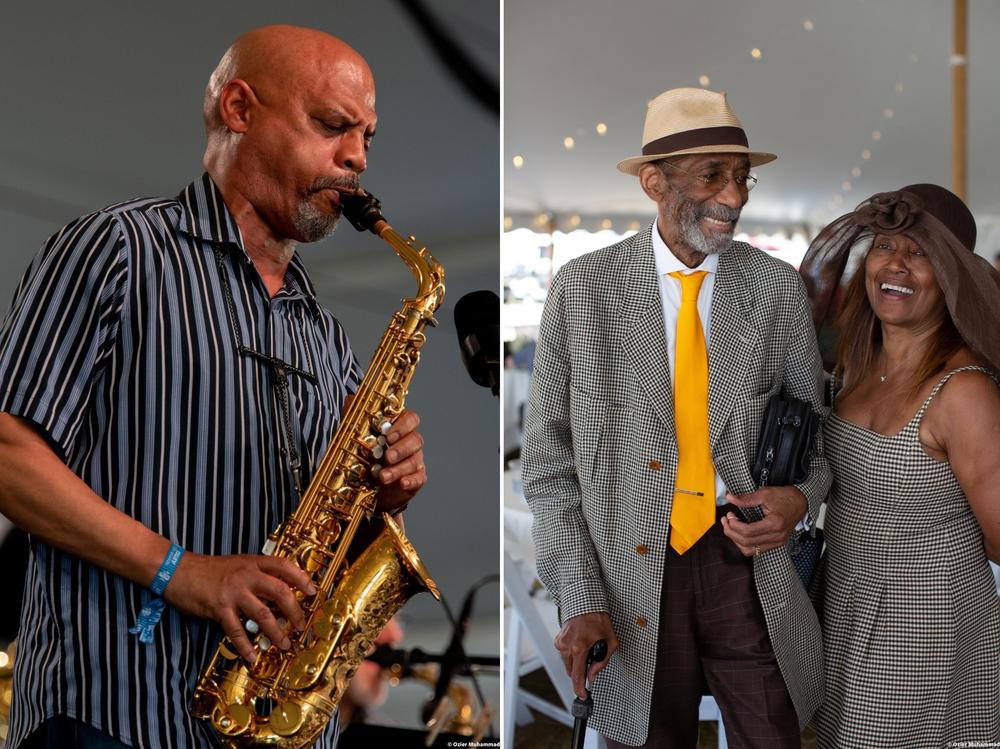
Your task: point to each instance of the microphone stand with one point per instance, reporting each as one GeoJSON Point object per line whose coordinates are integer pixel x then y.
{"type": "Point", "coordinates": [454, 657]}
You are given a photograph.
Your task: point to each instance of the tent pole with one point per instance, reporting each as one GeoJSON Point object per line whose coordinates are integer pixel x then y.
{"type": "Point", "coordinates": [959, 101]}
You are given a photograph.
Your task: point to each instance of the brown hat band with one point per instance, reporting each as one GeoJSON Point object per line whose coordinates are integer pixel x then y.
{"type": "Point", "coordinates": [703, 136]}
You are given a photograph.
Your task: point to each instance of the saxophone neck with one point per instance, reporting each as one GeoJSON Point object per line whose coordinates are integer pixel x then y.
{"type": "Point", "coordinates": [364, 211]}
{"type": "Point", "coordinates": [426, 269]}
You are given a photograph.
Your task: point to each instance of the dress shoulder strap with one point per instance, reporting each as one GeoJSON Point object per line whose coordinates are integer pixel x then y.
{"type": "Point", "coordinates": [943, 381]}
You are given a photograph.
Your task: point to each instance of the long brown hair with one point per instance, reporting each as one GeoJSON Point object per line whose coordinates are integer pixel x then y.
{"type": "Point", "coordinates": [860, 338]}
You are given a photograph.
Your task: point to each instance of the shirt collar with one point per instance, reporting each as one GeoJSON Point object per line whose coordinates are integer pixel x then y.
{"type": "Point", "coordinates": [205, 216]}
{"type": "Point", "coordinates": [204, 213]}
{"type": "Point", "coordinates": [667, 262]}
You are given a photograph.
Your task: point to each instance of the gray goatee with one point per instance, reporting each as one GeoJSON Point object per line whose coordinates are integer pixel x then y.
{"type": "Point", "coordinates": [689, 213]}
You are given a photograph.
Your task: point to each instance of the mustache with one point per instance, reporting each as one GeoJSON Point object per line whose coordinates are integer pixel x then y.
{"type": "Point", "coordinates": [718, 212]}
{"type": "Point", "coordinates": [343, 184]}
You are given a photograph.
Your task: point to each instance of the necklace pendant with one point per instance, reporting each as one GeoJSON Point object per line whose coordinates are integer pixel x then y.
{"type": "Point", "coordinates": [881, 378]}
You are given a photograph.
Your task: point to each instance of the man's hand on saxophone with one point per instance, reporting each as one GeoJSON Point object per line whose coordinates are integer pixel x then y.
{"type": "Point", "coordinates": [224, 588]}
{"type": "Point", "coordinates": [405, 472]}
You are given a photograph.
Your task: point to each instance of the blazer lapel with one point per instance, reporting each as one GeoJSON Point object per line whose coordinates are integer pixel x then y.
{"type": "Point", "coordinates": [734, 341]}
{"type": "Point", "coordinates": [644, 340]}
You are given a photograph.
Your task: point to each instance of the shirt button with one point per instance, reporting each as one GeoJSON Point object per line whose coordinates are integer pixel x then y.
{"type": "Point", "coordinates": [641, 549]}
{"type": "Point", "coordinates": [655, 465]}
{"type": "Point", "coordinates": [641, 621]}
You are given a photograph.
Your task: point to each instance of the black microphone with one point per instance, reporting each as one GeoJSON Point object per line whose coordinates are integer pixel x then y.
{"type": "Point", "coordinates": [477, 321]}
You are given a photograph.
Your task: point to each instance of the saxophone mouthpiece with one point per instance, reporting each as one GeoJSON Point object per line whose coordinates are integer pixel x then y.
{"type": "Point", "coordinates": [362, 209]}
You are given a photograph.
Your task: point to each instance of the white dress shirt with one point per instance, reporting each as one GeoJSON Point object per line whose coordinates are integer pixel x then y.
{"type": "Point", "coordinates": [670, 299]}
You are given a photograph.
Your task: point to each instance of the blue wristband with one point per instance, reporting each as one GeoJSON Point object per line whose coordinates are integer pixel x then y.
{"type": "Point", "coordinates": [149, 616]}
{"type": "Point", "coordinates": [167, 569]}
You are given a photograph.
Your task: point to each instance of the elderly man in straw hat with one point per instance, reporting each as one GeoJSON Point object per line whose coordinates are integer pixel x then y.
{"type": "Point", "coordinates": [656, 357]}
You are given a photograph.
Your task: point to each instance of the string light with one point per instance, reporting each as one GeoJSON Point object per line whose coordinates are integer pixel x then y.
{"type": "Point", "coordinates": [601, 128]}
{"type": "Point", "coordinates": [866, 154]}
{"type": "Point", "coordinates": [508, 223]}
{"type": "Point", "coordinates": [856, 171]}
{"type": "Point", "coordinates": [541, 219]}
{"type": "Point", "coordinates": [888, 113]}
{"type": "Point", "coordinates": [704, 80]}
{"type": "Point", "coordinates": [845, 185]}
{"type": "Point", "coordinates": [574, 221]}
{"type": "Point", "coordinates": [635, 226]}
{"type": "Point", "coordinates": [518, 161]}
{"type": "Point", "coordinates": [606, 224]}
{"type": "Point", "coordinates": [755, 53]}
{"type": "Point", "coordinates": [568, 142]}
{"type": "Point", "coordinates": [808, 25]}
{"type": "Point", "coordinates": [876, 135]}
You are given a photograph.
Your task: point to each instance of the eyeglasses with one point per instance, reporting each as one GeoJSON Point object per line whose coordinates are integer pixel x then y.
{"type": "Point", "coordinates": [716, 181]}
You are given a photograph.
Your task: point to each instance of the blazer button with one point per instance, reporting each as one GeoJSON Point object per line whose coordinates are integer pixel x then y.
{"type": "Point", "coordinates": [642, 549]}
{"type": "Point", "coordinates": [655, 465]}
{"type": "Point", "coordinates": [641, 621]}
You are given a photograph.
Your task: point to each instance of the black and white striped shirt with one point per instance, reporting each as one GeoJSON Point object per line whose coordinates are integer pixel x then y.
{"type": "Point", "coordinates": [120, 346]}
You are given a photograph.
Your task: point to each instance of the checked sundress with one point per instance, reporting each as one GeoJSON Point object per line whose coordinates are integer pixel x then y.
{"type": "Point", "coordinates": [911, 619]}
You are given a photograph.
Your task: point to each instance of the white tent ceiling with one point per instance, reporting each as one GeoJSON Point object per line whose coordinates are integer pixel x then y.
{"type": "Point", "coordinates": [814, 97]}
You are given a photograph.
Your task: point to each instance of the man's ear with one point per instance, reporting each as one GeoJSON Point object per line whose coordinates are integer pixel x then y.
{"type": "Point", "coordinates": [653, 181]}
{"type": "Point", "coordinates": [235, 103]}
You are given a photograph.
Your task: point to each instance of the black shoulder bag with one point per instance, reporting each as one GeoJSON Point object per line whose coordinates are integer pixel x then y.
{"type": "Point", "coordinates": [784, 449]}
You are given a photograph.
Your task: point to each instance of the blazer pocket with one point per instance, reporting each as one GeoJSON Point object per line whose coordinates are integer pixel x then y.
{"type": "Point", "coordinates": [587, 414]}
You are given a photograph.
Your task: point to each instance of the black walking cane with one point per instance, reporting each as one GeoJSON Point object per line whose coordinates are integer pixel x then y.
{"type": "Point", "coordinates": [583, 708]}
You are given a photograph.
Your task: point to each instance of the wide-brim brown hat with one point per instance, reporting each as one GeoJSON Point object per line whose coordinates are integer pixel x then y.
{"type": "Point", "coordinates": [688, 121]}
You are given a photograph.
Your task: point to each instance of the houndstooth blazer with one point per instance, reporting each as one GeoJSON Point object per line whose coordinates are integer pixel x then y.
{"type": "Point", "coordinates": [599, 452]}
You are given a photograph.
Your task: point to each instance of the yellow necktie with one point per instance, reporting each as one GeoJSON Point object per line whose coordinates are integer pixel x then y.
{"type": "Point", "coordinates": [694, 489]}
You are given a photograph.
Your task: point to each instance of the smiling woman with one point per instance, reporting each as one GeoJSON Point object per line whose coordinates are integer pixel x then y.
{"type": "Point", "coordinates": [912, 516]}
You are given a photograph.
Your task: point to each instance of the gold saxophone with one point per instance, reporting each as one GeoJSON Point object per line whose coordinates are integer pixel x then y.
{"type": "Point", "coordinates": [286, 698]}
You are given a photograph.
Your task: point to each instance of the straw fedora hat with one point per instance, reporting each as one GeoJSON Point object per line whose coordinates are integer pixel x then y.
{"type": "Point", "coordinates": [687, 121]}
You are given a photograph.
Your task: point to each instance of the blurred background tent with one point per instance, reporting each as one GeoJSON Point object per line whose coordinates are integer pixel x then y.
{"type": "Point", "coordinates": [102, 102]}
{"type": "Point", "coordinates": [854, 96]}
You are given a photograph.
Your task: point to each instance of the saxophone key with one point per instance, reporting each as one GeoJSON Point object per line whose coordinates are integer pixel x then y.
{"type": "Point", "coordinates": [356, 473]}
{"type": "Point", "coordinates": [234, 721]}
{"type": "Point", "coordinates": [328, 621]}
{"type": "Point", "coordinates": [286, 719]}
{"type": "Point", "coordinates": [304, 670]}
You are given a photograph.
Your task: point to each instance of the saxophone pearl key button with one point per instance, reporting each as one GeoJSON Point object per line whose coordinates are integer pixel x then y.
{"type": "Point", "coordinates": [385, 426]}
{"type": "Point", "coordinates": [252, 627]}
{"type": "Point", "coordinates": [378, 451]}
{"type": "Point", "coordinates": [264, 642]}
